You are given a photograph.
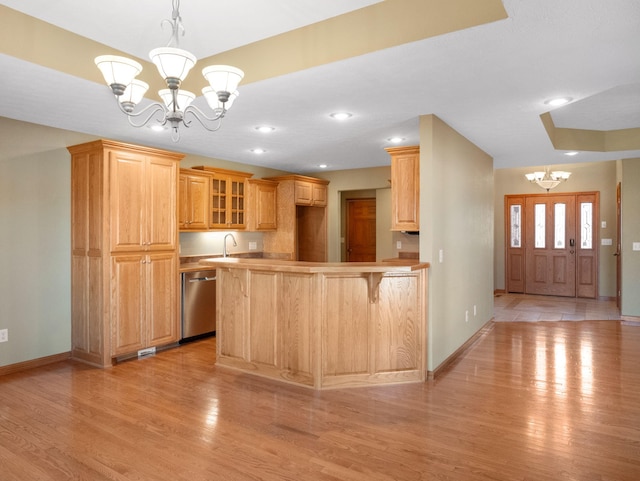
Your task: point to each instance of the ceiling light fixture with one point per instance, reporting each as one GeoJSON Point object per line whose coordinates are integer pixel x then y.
{"type": "Point", "coordinates": [395, 140]}
{"type": "Point", "coordinates": [557, 102]}
{"type": "Point", "coordinates": [572, 153]}
{"type": "Point", "coordinates": [548, 180]}
{"type": "Point", "coordinates": [173, 65]}
{"type": "Point", "coordinates": [265, 129]}
{"type": "Point", "coordinates": [258, 151]}
{"type": "Point", "coordinates": [340, 115]}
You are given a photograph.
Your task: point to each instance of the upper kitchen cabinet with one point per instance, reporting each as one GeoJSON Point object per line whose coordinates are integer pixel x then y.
{"type": "Point", "coordinates": [143, 200]}
{"type": "Point", "coordinates": [405, 188]}
{"type": "Point", "coordinates": [228, 198]}
{"type": "Point", "coordinates": [262, 205]}
{"type": "Point", "coordinates": [123, 207]}
{"type": "Point", "coordinates": [310, 191]}
{"type": "Point", "coordinates": [193, 200]}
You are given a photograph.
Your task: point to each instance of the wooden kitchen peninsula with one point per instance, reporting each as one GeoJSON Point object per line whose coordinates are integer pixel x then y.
{"type": "Point", "coordinates": [322, 325]}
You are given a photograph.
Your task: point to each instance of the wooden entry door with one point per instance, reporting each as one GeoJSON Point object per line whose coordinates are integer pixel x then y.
{"type": "Point", "coordinates": [552, 244]}
{"type": "Point", "coordinates": [361, 230]}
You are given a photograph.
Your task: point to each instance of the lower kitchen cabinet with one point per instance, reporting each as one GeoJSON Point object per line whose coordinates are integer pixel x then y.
{"type": "Point", "coordinates": [144, 302]}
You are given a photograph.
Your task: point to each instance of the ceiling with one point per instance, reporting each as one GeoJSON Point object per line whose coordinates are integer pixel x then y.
{"type": "Point", "coordinates": [489, 81]}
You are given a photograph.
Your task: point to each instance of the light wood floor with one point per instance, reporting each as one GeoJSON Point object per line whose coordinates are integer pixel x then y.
{"type": "Point", "coordinates": [529, 401]}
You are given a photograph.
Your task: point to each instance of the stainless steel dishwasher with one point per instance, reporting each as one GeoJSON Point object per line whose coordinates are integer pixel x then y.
{"type": "Point", "coordinates": [198, 304]}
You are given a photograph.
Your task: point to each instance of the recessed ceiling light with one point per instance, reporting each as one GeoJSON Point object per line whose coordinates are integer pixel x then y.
{"type": "Point", "coordinates": [558, 101]}
{"type": "Point", "coordinates": [265, 128]}
{"type": "Point", "coordinates": [323, 166]}
{"type": "Point", "coordinates": [395, 140]}
{"type": "Point", "coordinates": [341, 115]}
{"type": "Point", "coordinates": [258, 151]}
{"type": "Point", "coordinates": [571, 153]}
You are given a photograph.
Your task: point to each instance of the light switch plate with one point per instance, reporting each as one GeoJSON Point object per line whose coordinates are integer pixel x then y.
{"type": "Point", "coordinates": [607, 242]}
{"type": "Point", "coordinates": [636, 246]}
{"type": "Point", "coordinates": [604, 224]}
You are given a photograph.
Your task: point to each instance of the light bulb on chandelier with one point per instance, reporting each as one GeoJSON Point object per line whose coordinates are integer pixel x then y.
{"type": "Point", "coordinates": [173, 65]}
{"type": "Point", "coordinates": [548, 180]}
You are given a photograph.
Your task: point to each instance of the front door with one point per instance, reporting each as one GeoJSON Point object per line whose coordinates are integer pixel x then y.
{"type": "Point", "coordinates": [550, 240]}
{"type": "Point", "coordinates": [551, 244]}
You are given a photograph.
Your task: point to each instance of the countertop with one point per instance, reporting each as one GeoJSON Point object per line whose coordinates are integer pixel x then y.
{"type": "Point", "coordinates": [312, 267]}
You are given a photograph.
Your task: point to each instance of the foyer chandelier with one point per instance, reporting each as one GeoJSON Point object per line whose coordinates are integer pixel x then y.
{"type": "Point", "coordinates": [173, 65]}
{"type": "Point", "coordinates": [548, 180]}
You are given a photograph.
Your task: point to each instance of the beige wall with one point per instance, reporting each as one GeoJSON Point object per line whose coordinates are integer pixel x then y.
{"type": "Point", "coordinates": [630, 235]}
{"type": "Point", "coordinates": [456, 217]}
{"type": "Point", "coordinates": [585, 177]}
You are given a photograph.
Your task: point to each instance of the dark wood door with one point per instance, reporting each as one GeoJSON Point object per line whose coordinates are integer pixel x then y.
{"type": "Point", "coordinates": [551, 245]}
{"type": "Point", "coordinates": [361, 230]}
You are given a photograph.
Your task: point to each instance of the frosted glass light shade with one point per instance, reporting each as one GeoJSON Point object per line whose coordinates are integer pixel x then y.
{"type": "Point", "coordinates": [184, 98]}
{"type": "Point", "coordinates": [560, 174]}
{"type": "Point", "coordinates": [212, 99]}
{"type": "Point", "coordinates": [172, 62]}
{"type": "Point", "coordinates": [134, 92]}
{"type": "Point", "coordinates": [223, 78]}
{"type": "Point", "coordinates": [117, 70]}
{"type": "Point", "coordinates": [535, 176]}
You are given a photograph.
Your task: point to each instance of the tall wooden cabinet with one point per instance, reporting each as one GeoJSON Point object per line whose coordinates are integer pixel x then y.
{"type": "Point", "coordinates": [405, 188]}
{"type": "Point", "coordinates": [124, 241]}
{"type": "Point", "coordinates": [302, 220]}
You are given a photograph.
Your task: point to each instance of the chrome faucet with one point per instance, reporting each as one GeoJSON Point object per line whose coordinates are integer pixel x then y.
{"type": "Point", "coordinates": [224, 244]}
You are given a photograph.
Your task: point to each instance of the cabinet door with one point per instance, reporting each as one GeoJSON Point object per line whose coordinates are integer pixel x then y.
{"type": "Point", "coordinates": [162, 325]}
{"type": "Point", "coordinates": [193, 202]}
{"type": "Point", "coordinates": [198, 202]}
{"type": "Point", "coordinates": [228, 202]}
{"type": "Point", "coordinates": [128, 303]}
{"type": "Point", "coordinates": [161, 179]}
{"type": "Point", "coordinates": [319, 195]}
{"type": "Point", "coordinates": [262, 214]}
{"type": "Point", "coordinates": [405, 191]}
{"type": "Point", "coordinates": [303, 193]}
{"type": "Point", "coordinates": [128, 201]}
{"type": "Point", "coordinates": [236, 203]}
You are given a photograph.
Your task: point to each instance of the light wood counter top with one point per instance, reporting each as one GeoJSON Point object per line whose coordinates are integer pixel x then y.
{"type": "Point", "coordinates": [313, 267]}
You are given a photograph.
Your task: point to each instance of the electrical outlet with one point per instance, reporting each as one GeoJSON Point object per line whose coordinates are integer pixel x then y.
{"type": "Point", "coordinates": [441, 256]}
{"type": "Point", "coordinates": [399, 245]}
{"type": "Point", "coordinates": [4, 335]}
{"type": "Point", "coordinates": [253, 246]}
{"type": "Point", "coordinates": [475, 311]}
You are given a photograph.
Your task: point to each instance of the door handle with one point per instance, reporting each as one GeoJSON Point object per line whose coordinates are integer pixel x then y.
{"type": "Point", "coordinates": [572, 243]}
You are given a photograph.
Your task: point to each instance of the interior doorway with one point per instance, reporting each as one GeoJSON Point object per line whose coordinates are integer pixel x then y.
{"type": "Point", "coordinates": [551, 244]}
{"type": "Point", "coordinates": [361, 230]}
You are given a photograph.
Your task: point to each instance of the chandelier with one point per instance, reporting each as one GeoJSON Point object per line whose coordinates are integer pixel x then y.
{"type": "Point", "coordinates": [173, 65]}
{"type": "Point", "coordinates": [548, 180]}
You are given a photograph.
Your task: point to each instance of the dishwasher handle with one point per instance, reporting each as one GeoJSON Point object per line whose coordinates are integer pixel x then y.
{"type": "Point", "coordinates": [202, 279]}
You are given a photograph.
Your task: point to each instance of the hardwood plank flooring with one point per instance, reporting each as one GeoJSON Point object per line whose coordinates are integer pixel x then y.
{"type": "Point", "coordinates": [529, 401]}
